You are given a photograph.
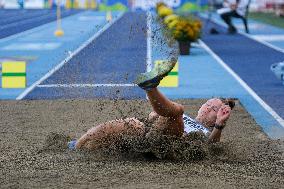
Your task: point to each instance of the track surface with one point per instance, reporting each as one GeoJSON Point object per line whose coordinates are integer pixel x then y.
{"type": "Point", "coordinates": [21, 20]}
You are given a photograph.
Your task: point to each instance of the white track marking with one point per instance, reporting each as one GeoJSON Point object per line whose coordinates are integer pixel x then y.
{"type": "Point", "coordinates": [52, 71]}
{"type": "Point", "coordinates": [31, 46]}
{"type": "Point", "coordinates": [269, 37]}
{"type": "Point", "coordinates": [149, 38]}
{"type": "Point", "coordinates": [149, 46]}
{"type": "Point", "coordinates": [84, 85]}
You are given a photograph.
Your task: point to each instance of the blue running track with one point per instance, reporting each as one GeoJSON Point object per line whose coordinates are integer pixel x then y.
{"type": "Point", "coordinates": [101, 60]}
{"type": "Point", "coordinates": [114, 58]}
{"type": "Point", "coordinates": [251, 60]}
{"type": "Point", "coordinates": [21, 20]}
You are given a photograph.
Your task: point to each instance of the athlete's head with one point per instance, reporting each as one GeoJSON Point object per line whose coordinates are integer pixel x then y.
{"type": "Point", "coordinates": [207, 114]}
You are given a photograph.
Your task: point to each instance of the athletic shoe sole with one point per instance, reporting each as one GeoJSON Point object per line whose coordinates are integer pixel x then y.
{"type": "Point", "coordinates": [152, 79]}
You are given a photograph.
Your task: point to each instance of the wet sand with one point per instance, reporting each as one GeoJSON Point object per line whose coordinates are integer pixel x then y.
{"type": "Point", "coordinates": [245, 158]}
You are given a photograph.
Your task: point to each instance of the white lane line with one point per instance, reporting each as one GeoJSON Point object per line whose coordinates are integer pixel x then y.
{"type": "Point", "coordinates": [31, 46]}
{"type": "Point", "coordinates": [29, 89]}
{"type": "Point", "coordinates": [91, 18]}
{"type": "Point", "coordinates": [247, 35]}
{"type": "Point", "coordinates": [149, 38]}
{"type": "Point", "coordinates": [243, 84]}
{"type": "Point", "coordinates": [149, 45]}
{"type": "Point", "coordinates": [84, 85]}
{"type": "Point", "coordinates": [269, 37]}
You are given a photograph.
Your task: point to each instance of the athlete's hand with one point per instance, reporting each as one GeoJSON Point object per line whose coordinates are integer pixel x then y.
{"type": "Point", "coordinates": [223, 115]}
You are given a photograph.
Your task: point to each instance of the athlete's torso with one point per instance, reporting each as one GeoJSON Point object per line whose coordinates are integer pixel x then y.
{"type": "Point", "coordinates": [191, 125]}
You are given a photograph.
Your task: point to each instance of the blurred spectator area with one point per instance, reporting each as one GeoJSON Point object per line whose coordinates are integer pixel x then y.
{"type": "Point", "coordinates": [265, 6]}
{"type": "Point", "coordinates": [268, 6]}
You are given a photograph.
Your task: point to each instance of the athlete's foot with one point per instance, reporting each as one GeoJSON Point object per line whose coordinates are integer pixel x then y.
{"type": "Point", "coordinates": [72, 144]}
{"type": "Point", "coordinates": [232, 30]}
{"type": "Point", "coordinates": [149, 80]}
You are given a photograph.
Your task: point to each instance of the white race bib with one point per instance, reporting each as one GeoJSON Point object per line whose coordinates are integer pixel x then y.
{"type": "Point", "coordinates": [191, 125]}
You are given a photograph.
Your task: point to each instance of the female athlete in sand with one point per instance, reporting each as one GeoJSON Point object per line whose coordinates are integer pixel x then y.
{"type": "Point", "coordinates": [168, 117]}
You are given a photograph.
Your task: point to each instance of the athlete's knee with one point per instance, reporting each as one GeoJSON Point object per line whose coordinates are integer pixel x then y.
{"type": "Point", "coordinates": [180, 109]}
{"type": "Point", "coordinates": [225, 16]}
{"type": "Point", "coordinates": [153, 116]}
{"type": "Point", "coordinates": [134, 125]}
{"type": "Point", "coordinates": [133, 122]}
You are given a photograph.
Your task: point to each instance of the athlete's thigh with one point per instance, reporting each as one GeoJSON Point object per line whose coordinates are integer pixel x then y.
{"type": "Point", "coordinates": [170, 125]}
{"type": "Point", "coordinates": [109, 132]}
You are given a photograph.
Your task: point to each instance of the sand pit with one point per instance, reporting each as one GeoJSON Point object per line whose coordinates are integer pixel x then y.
{"type": "Point", "coordinates": [245, 158]}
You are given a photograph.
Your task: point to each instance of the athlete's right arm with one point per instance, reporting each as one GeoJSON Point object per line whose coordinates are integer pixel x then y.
{"type": "Point", "coordinates": [222, 116]}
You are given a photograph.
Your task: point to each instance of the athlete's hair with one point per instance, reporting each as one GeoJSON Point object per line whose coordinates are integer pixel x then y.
{"type": "Point", "coordinates": [229, 101]}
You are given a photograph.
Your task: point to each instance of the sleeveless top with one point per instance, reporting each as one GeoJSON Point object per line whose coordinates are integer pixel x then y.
{"type": "Point", "coordinates": [191, 125]}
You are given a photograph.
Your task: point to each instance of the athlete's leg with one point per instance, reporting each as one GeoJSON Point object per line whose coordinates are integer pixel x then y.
{"type": "Point", "coordinates": [167, 113]}
{"type": "Point", "coordinates": [227, 17]}
{"type": "Point", "coordinates": [170, 113]}
{"type": "Point", "coordinates": [162, 105]}
{"type": "Point", "coordinates": [108, 133]}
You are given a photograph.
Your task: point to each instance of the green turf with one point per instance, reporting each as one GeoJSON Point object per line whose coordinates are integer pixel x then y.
{"type": "Point", "coordinates": [269, 18]}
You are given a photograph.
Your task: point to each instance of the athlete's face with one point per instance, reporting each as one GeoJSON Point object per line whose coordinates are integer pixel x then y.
{"type": "Point", "coordinates": [208, 111]}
